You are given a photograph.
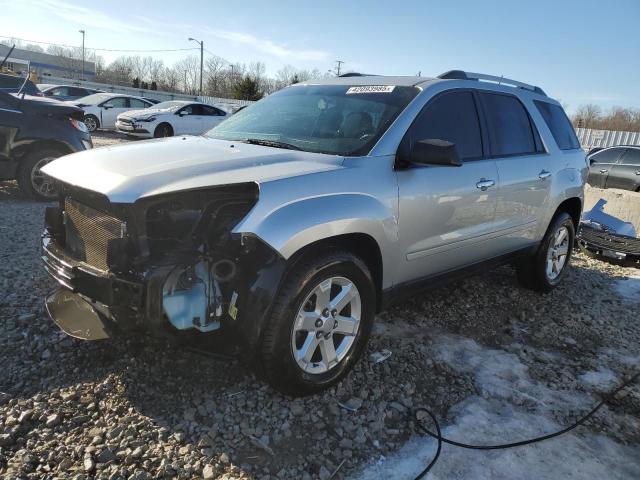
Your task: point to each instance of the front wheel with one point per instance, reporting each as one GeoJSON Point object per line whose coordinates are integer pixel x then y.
{"type": "Point", "coordinates": [547, 267]}
{"type": "Point", "coordinates": [320, 323]}
{"type": "Point", "coordinates": [91, 122]}
{"type": "Point", "coordinates": [32, 181]}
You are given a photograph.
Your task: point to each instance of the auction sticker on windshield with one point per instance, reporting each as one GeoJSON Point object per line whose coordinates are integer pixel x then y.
{"type": "Point", "coordinates": [371, 89]}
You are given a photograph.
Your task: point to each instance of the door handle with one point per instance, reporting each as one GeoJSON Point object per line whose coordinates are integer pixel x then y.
{"type": "Point", "coordinates": [483, 184]}
{"type": "Point", "coordinates": [603, 171]}
{"type": "Point", "coordinates": [544, 174]}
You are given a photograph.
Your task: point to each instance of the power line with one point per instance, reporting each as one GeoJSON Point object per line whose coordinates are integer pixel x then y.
{"type": "Point", "coordinates": [101, 49]}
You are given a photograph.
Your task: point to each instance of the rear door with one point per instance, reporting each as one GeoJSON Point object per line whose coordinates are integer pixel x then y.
{"type": "Point", "coordinates": [211, 116]}
{"type": "Point", "coordinates": [110, 110]}
{"type": "Point", "coordinates": [626, 173]}
{"type": "Point", "coordinates": [601, 163]}
{"type": "Point", "coordinates": [447, 213]}
{"type": "Point", "coordinates": [524, 170]}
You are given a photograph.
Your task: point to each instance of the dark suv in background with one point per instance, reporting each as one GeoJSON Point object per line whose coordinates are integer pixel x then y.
{"type": "Point", "coordinates": [616, 167]}
{"type": "Point", "coordinates": [33, 132]}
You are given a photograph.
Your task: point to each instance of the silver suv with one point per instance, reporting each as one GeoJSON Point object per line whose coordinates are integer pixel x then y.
{"type": "Point", "coordinates": [297, 219]}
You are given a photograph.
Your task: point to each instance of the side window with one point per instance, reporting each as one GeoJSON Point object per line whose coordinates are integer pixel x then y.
{"type": "Point", "coordinates": [118, 102]}
{"type": "Point", "coordinates": [453, 117]}
{"type": "Point", "coordinates": [631, 157]}
{"type": "Point", "coordinates": [211, 111]}
{"type": "Point", "coordinates": [610, 155]}
{"type": "Point", "coordinates": [59, 91]}
{"type": "Point", "coordinates": [188, 110]}
{"type": "Point", "coordinates": [135, 103]}
{"type": "Point", "coordinates": [508, 124]}
{"type": "Point", "coordinates": [77, 92]}
{"type": "Point", "coordinates": [559, 124]}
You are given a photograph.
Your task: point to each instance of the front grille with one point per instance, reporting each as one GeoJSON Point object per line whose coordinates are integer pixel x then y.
{"type": "Point", "coordinates": [89, 233]}
{"type": "Point", "coordinates": [608, 241]}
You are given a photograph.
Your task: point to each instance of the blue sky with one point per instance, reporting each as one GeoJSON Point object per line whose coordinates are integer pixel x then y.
{"type": "Point", "coordinates": [578, 51]}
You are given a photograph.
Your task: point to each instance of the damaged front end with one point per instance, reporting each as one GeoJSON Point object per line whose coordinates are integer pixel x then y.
{"type": "Point", "coordinates": [164, 263]}
{"type": "Point", "coordinates": [609, 236]}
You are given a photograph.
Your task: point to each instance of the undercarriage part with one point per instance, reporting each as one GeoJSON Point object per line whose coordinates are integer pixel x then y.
{"type": "Point", "coordinates": [191, 298]}
{"type": "Point", "coordinates": [75, 316]}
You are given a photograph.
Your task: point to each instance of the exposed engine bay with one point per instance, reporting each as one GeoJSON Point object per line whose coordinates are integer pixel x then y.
{"type": "Point", "coordinates": [166, 262]}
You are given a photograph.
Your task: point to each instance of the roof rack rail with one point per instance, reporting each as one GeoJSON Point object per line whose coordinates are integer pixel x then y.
{"type": "Point", "coordinates": [462, 75]}
{"type": "Point", "coordinates": [357, 74]}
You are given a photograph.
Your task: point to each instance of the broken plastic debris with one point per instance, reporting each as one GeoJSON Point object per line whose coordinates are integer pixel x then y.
{"type": "Point", "coordinates": [381, 356]}
{"type": "Point", "coordinates": [353, 404]}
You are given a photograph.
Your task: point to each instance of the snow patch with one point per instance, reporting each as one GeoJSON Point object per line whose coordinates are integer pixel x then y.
{"type": "Point", "coordinates": [602, 379]}
{"type": "Point", "coordinates": [511, 406]}
{"type": "Point", "coordinates": [629, 289]}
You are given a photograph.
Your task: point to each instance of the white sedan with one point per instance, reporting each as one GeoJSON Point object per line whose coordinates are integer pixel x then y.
{"type": "Point", "coordinates": [170, 118]}
{"type": "Point", "coordinates": [102, 109]}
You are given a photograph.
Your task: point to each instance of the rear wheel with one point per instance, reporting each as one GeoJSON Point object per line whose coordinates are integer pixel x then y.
{"type": "Point", "coordinates": [32, 181]}
{"type": "Point", "coordinates": [547, 267]}
{"type": "Point", "coordinates": [320, 323]}
{"type": "Point", "coordinates": [92, 123]}
{"type": "Point", "coordinates": [163, 130]}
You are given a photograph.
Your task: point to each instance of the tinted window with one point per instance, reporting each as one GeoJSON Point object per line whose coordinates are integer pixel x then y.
{"type": "Point", "coordinates": [559, 124]}
{"type": "Point", "coordinates": [610, 155]}
{"type": "Point", "coordinates": [452, 117]}
{"type": "Point", "coordinates": [631, 157]}
{"type": "Point", "coordinates": [77, 92]}
{"type": "Point", "coordinates": [188, 110]}
{"type": "Point", "coordinates": [59, 91]}
{"type": "Point", "coordinates": [211, 111]}
{"type": "Point", "coordinates": [135, 103]}
{"type": "Point", "coordinates": [509, 126]}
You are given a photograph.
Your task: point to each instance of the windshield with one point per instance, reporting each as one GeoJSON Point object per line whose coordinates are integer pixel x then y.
{"type": "Point", "coordinates": [168, 105]}
{"type": "Point", "coordinates": [94, 99]}
{"type": "Point", "coordinates": [333, 119]}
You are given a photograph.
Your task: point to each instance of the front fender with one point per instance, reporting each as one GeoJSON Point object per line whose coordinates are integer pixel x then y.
{"type": "Point", "coordinates": [292, 226]}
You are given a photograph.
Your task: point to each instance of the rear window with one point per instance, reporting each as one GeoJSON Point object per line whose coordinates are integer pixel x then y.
{"type": "Point", "coordinates": [559, 124]}
{"type": "Point", "coordinates": [509, 127]}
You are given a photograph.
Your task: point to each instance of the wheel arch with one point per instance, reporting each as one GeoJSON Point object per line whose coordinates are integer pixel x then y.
{"type": "Point", "coordinates": [572, 206]}
{"type": "Point", "coordinates": [362, 245]}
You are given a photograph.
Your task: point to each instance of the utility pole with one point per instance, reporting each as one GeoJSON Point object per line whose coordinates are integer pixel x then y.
{"type": "Point", "coordinates": [82, 76]}
{"type": "Point", "coordinates": [201, 59]}
{"type": "Point", "coordinates": [339, 63]}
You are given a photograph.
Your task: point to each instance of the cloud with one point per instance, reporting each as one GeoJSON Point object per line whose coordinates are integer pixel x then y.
{"type": "Point", "coordinates": [269, 47]}
{"type": "Point", "coordinates": [87, 17]}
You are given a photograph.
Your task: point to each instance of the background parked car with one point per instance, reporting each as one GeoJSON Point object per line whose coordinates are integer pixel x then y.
{"type": "Point", "coordinates": [615, 167]}
{"type": "Point", "coordinates": [12, 83]}
{"type": "Point", "coordinates": [67, 92]}
{"type": "Point", "coordinates": [33, 132]}
{"type": "Point", "coordinates": [102, 109]}
{"type": "Point", "coordinates": [170, 118]}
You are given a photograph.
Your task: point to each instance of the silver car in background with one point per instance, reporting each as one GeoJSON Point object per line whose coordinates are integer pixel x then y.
{"type": "Point", "coordinates": [298, 218]}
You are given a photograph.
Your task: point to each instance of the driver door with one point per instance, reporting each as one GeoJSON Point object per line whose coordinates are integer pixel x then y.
{"type": "Point", "coordinates": [110, 110]}
{"type": "Point", "coordinates": [446, 213]}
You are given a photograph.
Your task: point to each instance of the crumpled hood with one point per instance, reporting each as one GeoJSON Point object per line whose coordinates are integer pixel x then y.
{"type": "Point", "coordinates": [144, 113]}
{"type": "Point", "coordinates": [125, 173]}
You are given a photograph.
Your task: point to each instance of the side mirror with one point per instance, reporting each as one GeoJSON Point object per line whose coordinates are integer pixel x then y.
{"type": "Point", "coordinates": [592, 161]}
{"type": "Point", "coordinates": [183, 113]}
{"type": "Point", "coordinates": [433, 151]}
{"type": "Point", "coordinates": [107, 106]}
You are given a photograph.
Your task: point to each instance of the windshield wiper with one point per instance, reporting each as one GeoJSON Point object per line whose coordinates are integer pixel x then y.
{"type": "Point", "coordinates": [270, 143]}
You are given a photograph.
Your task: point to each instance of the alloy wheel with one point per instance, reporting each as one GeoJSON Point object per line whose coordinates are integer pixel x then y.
{"type": "Point", "coordinates": [91, 123]}
{"type": "Point", "coordinates": [326, 325]}
{"type": "Point", "coordinates": [41, 183]}
{"type": "Point", "coordinates": [557, 253]}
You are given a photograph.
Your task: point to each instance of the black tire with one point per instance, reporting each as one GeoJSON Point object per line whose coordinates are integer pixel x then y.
{"type": "Point", "coordinates": [91, 122]}
{"type": "Point", "coordinates": [532, 271]}
{"type": "Point", "coordinates": [31, 181]}
{"type": "Point", "coordinates": [277, 352]}
{"type": "Point", "coordinates": [163, 130]}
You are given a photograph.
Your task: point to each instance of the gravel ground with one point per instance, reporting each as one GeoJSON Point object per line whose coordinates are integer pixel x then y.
{"type": "Point", "coordinates": [141, 408]}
